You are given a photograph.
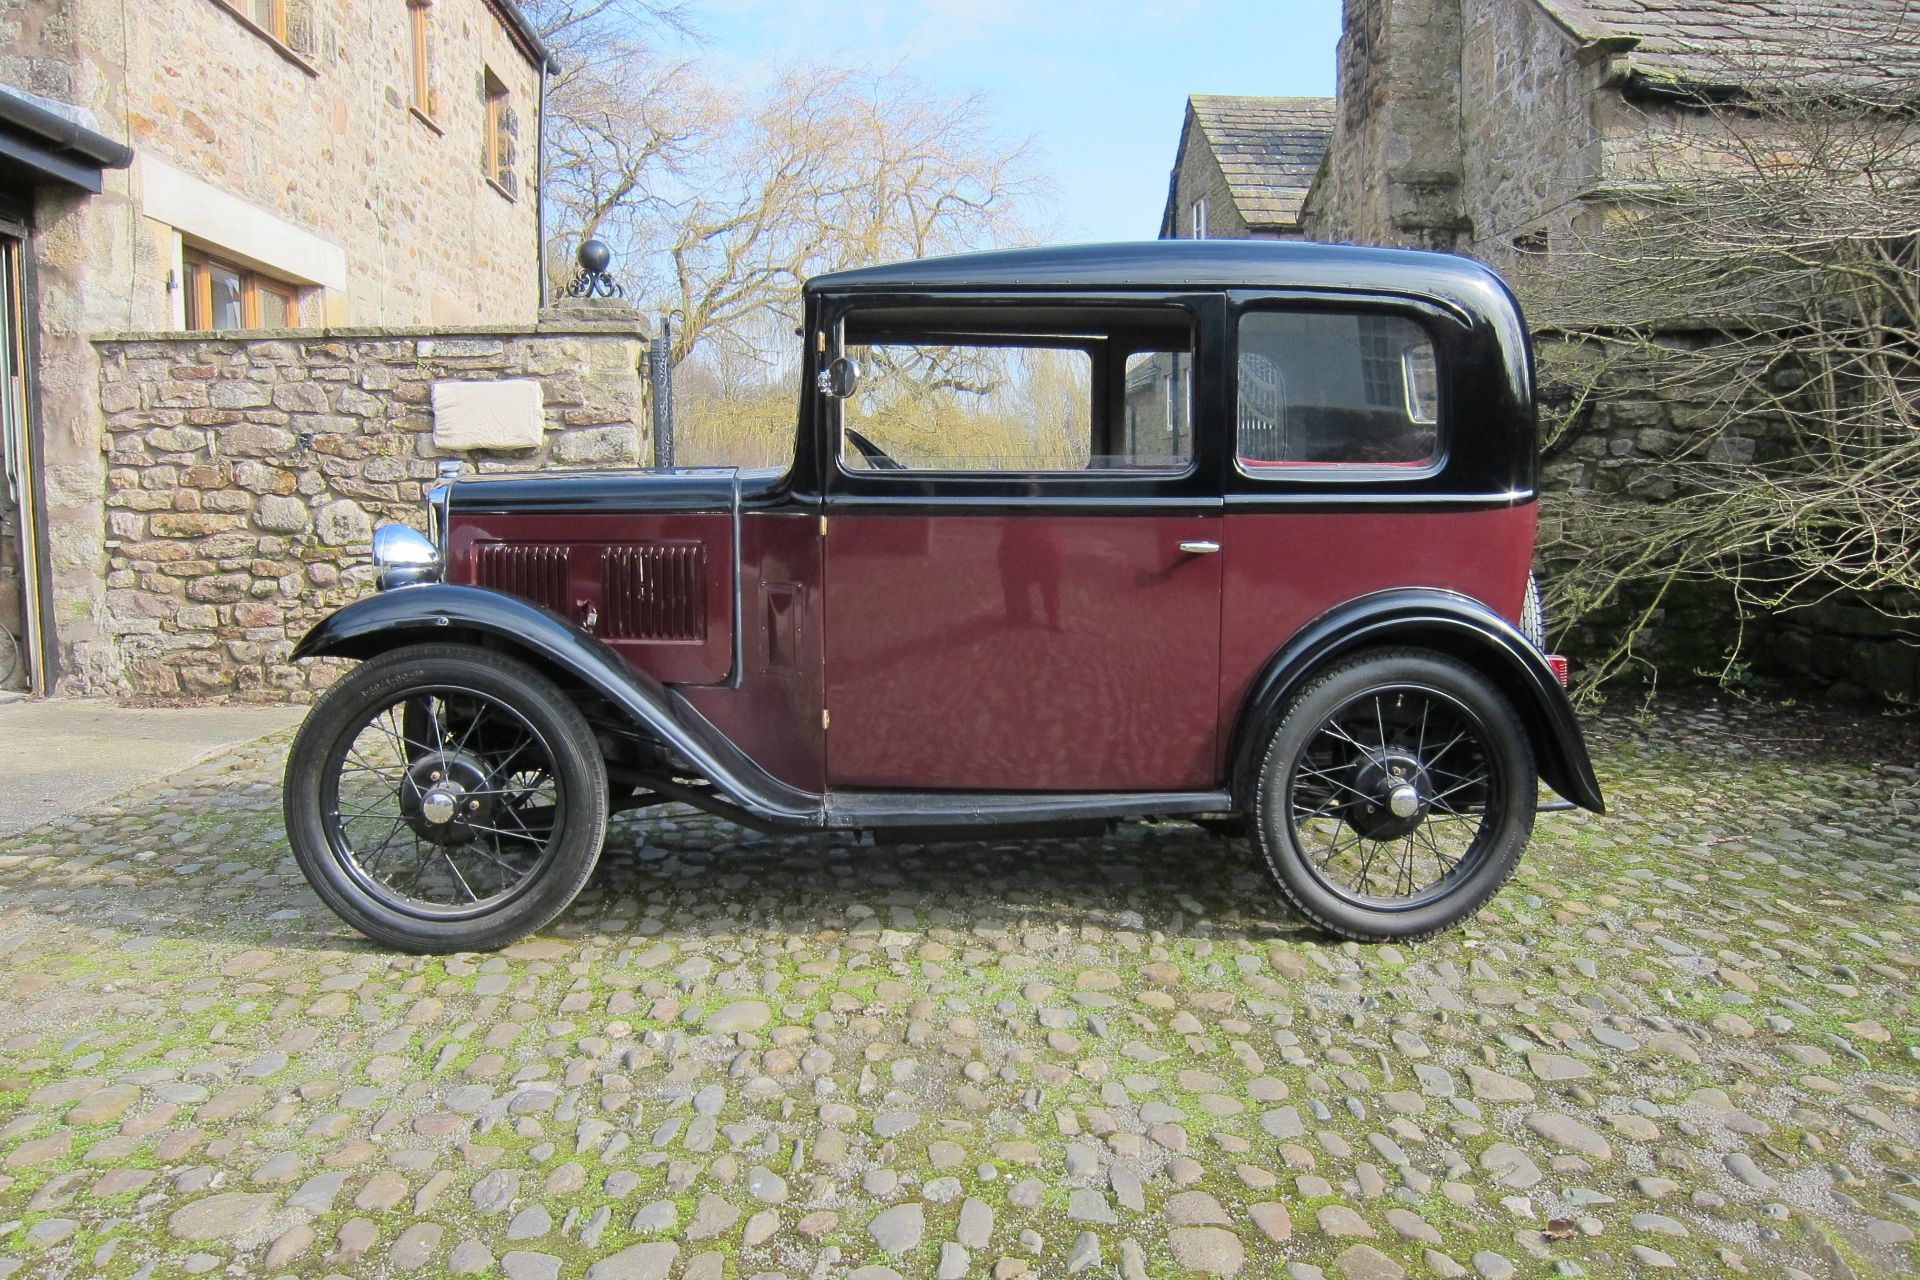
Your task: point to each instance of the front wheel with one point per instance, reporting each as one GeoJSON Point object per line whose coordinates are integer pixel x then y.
{"type": "Point", "coordinates": [1395, 796]}
{"type": "Point", "coordinates": [443, 798]}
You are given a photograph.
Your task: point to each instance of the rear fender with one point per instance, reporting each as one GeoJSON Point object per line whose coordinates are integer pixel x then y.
{"type": "Point", "coordinates": [1446, 622]}
{"type": "Point", "coordinates": [448, 613]}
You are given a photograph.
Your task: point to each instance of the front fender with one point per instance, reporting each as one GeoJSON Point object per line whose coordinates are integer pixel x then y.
{"type": "Point", "coordinates": [449, 613]}
{"type": "Point", "coordinates": [1427, 618]}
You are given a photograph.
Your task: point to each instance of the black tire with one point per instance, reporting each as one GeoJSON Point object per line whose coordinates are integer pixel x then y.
{"type": "Point", "coordinates": [1329, 770]}
{"type": "Point", "coordinates": [499, 726]}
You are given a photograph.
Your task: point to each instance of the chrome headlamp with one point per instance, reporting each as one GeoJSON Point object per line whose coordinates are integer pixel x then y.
{"type": "Point", "coordinates": [403, 556]}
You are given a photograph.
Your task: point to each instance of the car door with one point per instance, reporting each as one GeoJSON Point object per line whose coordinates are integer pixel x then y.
{"type": "Point", "coordinates": [1022, 591]}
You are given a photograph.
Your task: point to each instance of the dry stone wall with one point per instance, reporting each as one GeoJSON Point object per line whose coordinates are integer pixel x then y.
{"type": "Point", "coordinates": [1623, 440]}
{"type": "Point", "coordinates": [246, 473]}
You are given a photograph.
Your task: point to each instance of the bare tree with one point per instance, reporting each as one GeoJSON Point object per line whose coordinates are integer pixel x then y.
{"type": "Point", "coordinates": [619, 115]}
{"type": "Point", "coordinates": [1760, 282]}
{"type": "Point", "coordinates": [830, 168]}
{"type": "Point", "coordinates": [720, 203]}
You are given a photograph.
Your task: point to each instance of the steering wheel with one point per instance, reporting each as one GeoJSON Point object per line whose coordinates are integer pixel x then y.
{"type": "Point", "coordinates": [876, 456]}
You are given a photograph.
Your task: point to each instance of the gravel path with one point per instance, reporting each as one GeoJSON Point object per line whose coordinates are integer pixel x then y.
{"type": "Point", "coordinates": [1685, 1039]}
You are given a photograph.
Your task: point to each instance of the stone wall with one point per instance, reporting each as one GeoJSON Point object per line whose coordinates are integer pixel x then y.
{"type": "Point", "coordinates": [246, 472]}
{"type": "Point", "coordinates": [1465, 125]}
{"type": "Point", "coordinates": [324, 135]}
{"type": "Point", "coordinates": [1393, 169]}
{"type": "Point", "coordinates": [1856, 648]}
{"type": "Point", "coordinates": [1624, 445]}
{"type": "Point", "coordinates": [1614, 434]}
{"type": "Point", "coordinates": [317, 145]}
{"type": "Point", "coordinates": [1532, 139]}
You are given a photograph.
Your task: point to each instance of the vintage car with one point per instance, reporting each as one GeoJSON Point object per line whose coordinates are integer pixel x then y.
{"type": "Point", "coordinates": [1225, 531]}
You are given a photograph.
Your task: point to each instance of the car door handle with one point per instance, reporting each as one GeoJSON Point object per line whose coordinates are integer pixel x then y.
{"type": "Point", "coordinates": [1199, 547]}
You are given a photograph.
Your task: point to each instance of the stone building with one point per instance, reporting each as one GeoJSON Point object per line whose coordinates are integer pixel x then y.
{"type": "Point", "coordinates": [1243, 167]}
{"type": "Point", "coordinates": [216, 165]}
{"type": "Point", "coordinates": [1497, 128]}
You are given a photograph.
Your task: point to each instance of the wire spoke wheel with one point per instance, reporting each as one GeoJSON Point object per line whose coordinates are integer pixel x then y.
{"type": "Point", "coordinates": [442, 802]}
{"type": "Point", "coordinates": [1395, 796]}
{"type": "Point", "coordinates": [1389, 797]}
{"type": "Point", "coordinates": [443, 798]}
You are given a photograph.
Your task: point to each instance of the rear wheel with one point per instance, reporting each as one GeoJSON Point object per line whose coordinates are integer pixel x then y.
{"type": "Point", "coordinates": [444, 798]}
{"type": "Point", "coordinates": [1396, 795]}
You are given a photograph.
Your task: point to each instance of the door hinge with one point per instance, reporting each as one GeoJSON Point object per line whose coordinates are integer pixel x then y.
{"type": "Point", "coordinates": [826, 719]}
{"type": "Point", "coordinates": [823, 526]}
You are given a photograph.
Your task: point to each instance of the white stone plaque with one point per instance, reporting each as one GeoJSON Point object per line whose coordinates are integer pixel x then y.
{"type": "Point", "coordinates": [504, 414]}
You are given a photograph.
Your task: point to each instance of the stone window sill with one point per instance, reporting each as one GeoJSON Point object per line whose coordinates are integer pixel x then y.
{"type": "Point", "coordinates": [426, 120]}
{"type": "Point", "coordinates": [505, 194]}
{"type": "Point", "coordinates": [278, 45]}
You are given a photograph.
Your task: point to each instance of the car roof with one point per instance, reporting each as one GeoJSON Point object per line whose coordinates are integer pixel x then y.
{"type": "Point", "coordinates": [1189, 264]}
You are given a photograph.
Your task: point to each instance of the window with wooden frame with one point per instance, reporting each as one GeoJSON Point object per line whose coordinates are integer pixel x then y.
{"type": "Point", "coordinates": [420, 81]}
{"type": "Point", "coordinates": [502, 129]}
{"type": "Point", "coordinates": [285, 24]}
{"type": "Point", "coordinates": [221, 295]}
{"type": "Point", "coordinates": [268, 15]}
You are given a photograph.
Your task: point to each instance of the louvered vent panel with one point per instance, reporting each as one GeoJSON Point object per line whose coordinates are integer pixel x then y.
{"type": "Point", "coordinates": [532, 571]}
{"type": "Point", "coordinates": [654, 591]}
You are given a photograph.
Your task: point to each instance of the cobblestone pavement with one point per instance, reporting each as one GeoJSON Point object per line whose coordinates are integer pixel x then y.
{"type": "Point", "coordinates": [1685, 1039]}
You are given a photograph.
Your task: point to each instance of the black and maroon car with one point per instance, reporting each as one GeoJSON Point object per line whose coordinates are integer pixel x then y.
{"type": "Point", "coordinates": [1229, 531]}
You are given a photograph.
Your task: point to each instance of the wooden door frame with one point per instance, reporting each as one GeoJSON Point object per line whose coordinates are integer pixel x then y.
{"type": "Point", "coordinates": [39, 647]}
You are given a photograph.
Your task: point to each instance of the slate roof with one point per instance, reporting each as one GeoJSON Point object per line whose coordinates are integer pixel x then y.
{"type": "Point", "coordinates": [1268, 148]}
{"type": "Point", "coordinates": [1709, 44]}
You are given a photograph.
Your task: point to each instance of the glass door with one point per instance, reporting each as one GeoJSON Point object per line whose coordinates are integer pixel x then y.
{"type": "Point", "coordinates": [20, 603]}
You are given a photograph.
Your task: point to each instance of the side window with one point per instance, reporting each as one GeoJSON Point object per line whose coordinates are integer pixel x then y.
{"type": "Point", "coordinates": [1330, 388]}
{"type": "Point", "coordinates": [1114, 400]}
{"type": "Point", "coordinates": [1158, 414]}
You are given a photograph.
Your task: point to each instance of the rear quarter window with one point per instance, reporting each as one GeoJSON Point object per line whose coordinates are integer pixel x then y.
{"type": "Point", "coordinates": [1335, 389]}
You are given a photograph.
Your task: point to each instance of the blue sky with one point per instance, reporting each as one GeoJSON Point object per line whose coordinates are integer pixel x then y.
{"type": "Point", "coordinates": [1100, 86]}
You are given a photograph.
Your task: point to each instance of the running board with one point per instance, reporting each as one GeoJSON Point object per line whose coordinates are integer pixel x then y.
{"type": "Point", "coordinates": [933, 812]}
{"type": "Point", "coordinates": [948, 810]}
{"type": "Point", "coordinates": [1555, 805]}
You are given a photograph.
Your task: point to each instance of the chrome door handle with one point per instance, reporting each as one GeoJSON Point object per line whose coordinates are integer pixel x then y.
{"type": "Point", "coordinates": [1199, 548]}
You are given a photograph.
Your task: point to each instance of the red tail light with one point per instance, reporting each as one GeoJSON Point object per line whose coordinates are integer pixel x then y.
{"type": "Point", "coordinates": [1559, 665]}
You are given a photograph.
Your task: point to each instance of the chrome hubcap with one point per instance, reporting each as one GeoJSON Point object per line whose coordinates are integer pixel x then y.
{"type": "Point", "coordinates": [439, 805]}
{"type": "Point", "coordinates": [443, 802]}
{"type": "Point", "coordinates": [1390, 797]}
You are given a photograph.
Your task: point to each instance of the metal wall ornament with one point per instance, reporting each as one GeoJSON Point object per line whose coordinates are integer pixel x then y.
{"type": "Point", "coordinates": [594, 280]}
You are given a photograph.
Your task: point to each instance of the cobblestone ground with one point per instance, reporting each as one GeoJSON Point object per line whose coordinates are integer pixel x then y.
{"type": "Point", "coordinates": [1686, 1038]}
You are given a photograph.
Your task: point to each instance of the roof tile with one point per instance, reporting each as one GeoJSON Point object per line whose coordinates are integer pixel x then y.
{"type": "Point", "coordinates": [1862, 44]}
{"type": "Point", "coordinates": [1268, 149]}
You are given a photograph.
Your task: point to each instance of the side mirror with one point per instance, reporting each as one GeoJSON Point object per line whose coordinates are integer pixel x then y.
{"type": "Point", "coordinates": [840, 379]}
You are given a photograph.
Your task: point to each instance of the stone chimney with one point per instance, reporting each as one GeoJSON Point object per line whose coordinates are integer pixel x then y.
{"type": "Point", "coordinates": [1394, 166]}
